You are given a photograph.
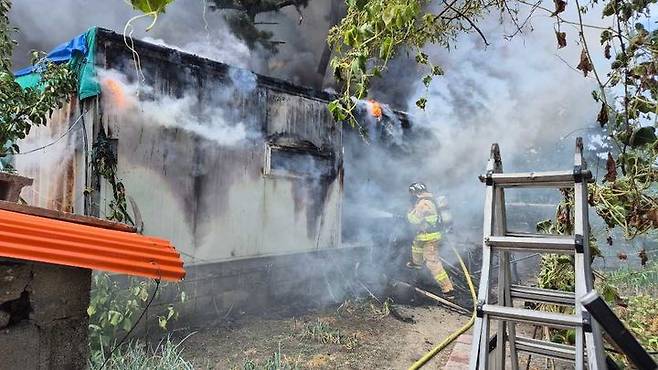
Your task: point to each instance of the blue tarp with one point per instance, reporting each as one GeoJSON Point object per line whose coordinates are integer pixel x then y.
{"type": "Point", "coordinates": [62, 53]}
{"type": "Point", "coordinates": [79, 53]}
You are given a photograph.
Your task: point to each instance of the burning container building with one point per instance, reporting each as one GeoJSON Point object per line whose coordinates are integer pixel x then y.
{"type": "Point", "coordinates": [244, 173]}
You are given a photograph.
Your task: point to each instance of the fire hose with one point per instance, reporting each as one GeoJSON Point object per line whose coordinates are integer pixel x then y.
{"type": "Point", "coordinates": [439, 347]}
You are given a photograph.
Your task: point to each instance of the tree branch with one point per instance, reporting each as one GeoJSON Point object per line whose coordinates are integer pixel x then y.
{"type": "Point", "coordinates": [469, 21]}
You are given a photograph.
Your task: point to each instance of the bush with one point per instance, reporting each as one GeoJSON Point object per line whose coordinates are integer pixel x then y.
{"type": "Point", "coordinates": [114, 309]}
{"type": "Point", "coordinates": [136, 355]}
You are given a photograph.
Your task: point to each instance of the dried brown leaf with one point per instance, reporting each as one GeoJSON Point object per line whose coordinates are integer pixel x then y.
{"type": "Point", "coordinates": [585, 64]}
{"type": "Point", "coordinates": [611, 168]}
{"type": "Point", "coordinates": [602, 118]}
{"type": "Point", "coordinates": [561, 39]}
{"type": "Point", "coordinates": [560, 6]}
{"type": "Point", "coordinates": [606, 51]}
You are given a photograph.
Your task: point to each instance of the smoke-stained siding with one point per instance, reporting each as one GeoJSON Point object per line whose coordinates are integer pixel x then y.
{"type": "Point", "coordinates": [55, 160]}
{"type": "Point", "coordinates": [215, 201]}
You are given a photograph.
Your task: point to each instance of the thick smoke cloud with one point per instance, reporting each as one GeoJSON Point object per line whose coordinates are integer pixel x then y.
{"type": "Point", "coordinates": [212, 120]}
{"type": "Point", "coordinates": [186, 25]}
{"type": "Point", "coordinates": [516, 93]}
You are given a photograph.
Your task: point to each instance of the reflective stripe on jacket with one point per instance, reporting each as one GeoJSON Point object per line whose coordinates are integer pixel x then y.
{"type": "Point", "coordinates": [428, 237]}
{"type": "Point", "coordinates": [424, 214]}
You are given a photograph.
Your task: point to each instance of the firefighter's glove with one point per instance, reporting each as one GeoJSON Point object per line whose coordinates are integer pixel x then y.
{"type": "Point", "coordinates": [412, 265]}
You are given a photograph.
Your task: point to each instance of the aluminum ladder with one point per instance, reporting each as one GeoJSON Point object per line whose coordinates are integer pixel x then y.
{"type": "Point", "coordinates": [588, 347]}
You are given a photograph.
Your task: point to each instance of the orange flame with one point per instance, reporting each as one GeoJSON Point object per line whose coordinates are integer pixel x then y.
{"type": "Point", "coordinates": [115, 92]}
{"type": "Point", "coordinates": [375, 108]}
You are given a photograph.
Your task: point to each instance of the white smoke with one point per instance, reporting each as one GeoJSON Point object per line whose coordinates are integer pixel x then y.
{"type": "Point", "coordinates": [232, 51]}
{"type": "Point", "coordinates": [187, 25]}
{"type": "Point", "coordinates": [47, 146]}
{"type": "Point", "coordinates": [210, 120]}
{"type": "Point", "coordinates": [516, 93]}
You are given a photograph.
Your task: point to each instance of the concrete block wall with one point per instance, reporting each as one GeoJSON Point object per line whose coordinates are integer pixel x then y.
{"type": "Point", "coordinates": [217, 291]}
{"type": "Point", "coordinates": [43, 316]}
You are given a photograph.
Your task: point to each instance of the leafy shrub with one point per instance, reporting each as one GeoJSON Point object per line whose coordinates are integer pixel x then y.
{"type": "Point", "coordinates": [136, 355]}
{"type": "Point", "coordinates": [114, 309]}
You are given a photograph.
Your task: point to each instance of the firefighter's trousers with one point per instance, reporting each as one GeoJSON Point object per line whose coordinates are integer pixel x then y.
{"type": "Point", "coordinates": [426, 250]}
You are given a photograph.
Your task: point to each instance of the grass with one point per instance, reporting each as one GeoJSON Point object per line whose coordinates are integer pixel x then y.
{"type": "Point", "coordinates": [137, 355]}
{"type": "Point", "coordinates": [636, 281]}
{"type": "Point", "coordinates": [640, 286]}
{"type": "Point", "coordinates": [321, 332]}
{"type": "Point", "coordinates": [275, 362]}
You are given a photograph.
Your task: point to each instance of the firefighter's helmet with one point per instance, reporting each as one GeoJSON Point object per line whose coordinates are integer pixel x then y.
{"type": "Point", "coordinates": [417, 188]}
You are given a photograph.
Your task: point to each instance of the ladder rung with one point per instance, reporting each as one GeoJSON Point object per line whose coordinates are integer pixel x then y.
{"type": "Point", "coordinates": [533, 244]}
{"type": "Point", "coordinates": [558, 179]}
{"type": "Point", "coordinates": [519, 234]}
{"type": "Point", "coordinates": [542, 295]}
{"type": "Point", "coordinates": [531, 316]}
{"type": "Point", "coordinates": [547, 349]}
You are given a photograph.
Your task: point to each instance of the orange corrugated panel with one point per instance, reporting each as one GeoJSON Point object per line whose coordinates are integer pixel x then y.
{"type": "Point", "coordinates": [60, 242]}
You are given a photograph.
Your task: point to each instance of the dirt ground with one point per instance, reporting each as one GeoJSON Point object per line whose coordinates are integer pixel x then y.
{"type": "Point", "coordinates": [356, 335]}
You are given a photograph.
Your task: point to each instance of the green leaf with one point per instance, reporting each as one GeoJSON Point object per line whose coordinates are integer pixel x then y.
{"type": "Point", "coordinates": [360, 90]}
{"type": "Point", "coordinates": [427, 80]}
{"type": "Point", "coordinates": [642, 136]}
{"type": "Point", "coordinates": [420, 103]}
{"type": "Point", "coordinates": [114, 317]}
{"type": "Point", "coordinates": [151, 6]}
{"type": "Point", "coordinates": [388, 15]}
{"type": "Point", "coordinates": [422, 58]}
{"type": "Point", "coordinates": [127, 324]}
{"type": "Point", "coordinates": [400, 18]}
{"type": "Point", "coordinates": [437, 71]}
{"type": "Point", "coordinates": [358, 65]}
{"type": "Point", "coordinates": [332, 106]}
{"type": "Point", "coordinates": [349, 37]}
{"type": "Point", "coordinates": [357, 4]}
{"type": "Point", "coordinates": [170, 312]}
{"type": "Point", "coordinates": [143, 294]}
{"type": "Point", "coordinates": [385, 48]}
{"type": "Point", "coordinates": [162, 322]}
{"type": "Point", "coordinates": [337, 112]}
{"type": "Point", "coordinates": [595, 95]}
{"type": "Point", "coordinates": [610, 8]}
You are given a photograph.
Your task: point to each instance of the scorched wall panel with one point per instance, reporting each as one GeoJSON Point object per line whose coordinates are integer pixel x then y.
{"type": "Point", "coordinates": [210, 195]}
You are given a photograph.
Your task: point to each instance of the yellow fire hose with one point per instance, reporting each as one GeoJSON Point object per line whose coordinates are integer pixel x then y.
{"type": "Point", "coordinates": [428, 356]}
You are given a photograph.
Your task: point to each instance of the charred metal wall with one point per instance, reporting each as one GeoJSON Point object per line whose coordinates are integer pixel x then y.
{"type": "Point", "coordinates": [218, 202]}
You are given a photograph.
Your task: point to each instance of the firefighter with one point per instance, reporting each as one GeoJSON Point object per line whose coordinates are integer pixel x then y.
{"type": "Point", "coordinates": [425, 216]}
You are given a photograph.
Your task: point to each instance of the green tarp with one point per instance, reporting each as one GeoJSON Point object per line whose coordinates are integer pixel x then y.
{"type": "Point", "coordinates": [80, 54]}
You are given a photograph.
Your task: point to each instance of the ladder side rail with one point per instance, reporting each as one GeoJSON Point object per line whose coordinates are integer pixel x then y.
{"type": "Point", "coordinates": [478, 359]}
{"type": "Point", "coordinates": [591, 334]}
{"type": "Point", "coordinates": [579, 266]}
{"type": "Point", "coordinates": [503, 285]}
{"type": "Point", "coordinates": [506, 329]}
{"type": "Point", "coordinates": [480, 347]}
{"type": "Point", "coordinates": [510, 278]}
{"type": "Point", "coordinates": [511, 328]}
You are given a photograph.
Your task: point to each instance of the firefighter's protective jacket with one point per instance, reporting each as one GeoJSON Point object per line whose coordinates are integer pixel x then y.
{"type": "Point", "coordinates": [425, 216]}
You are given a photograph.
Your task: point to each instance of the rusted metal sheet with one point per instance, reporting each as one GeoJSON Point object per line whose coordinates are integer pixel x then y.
{"type": "Point", "coordinates": [51, 155]}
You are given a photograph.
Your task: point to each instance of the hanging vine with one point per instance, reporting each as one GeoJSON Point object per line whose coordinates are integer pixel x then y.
{"type": "Point", "coordinates": [104, 163]}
